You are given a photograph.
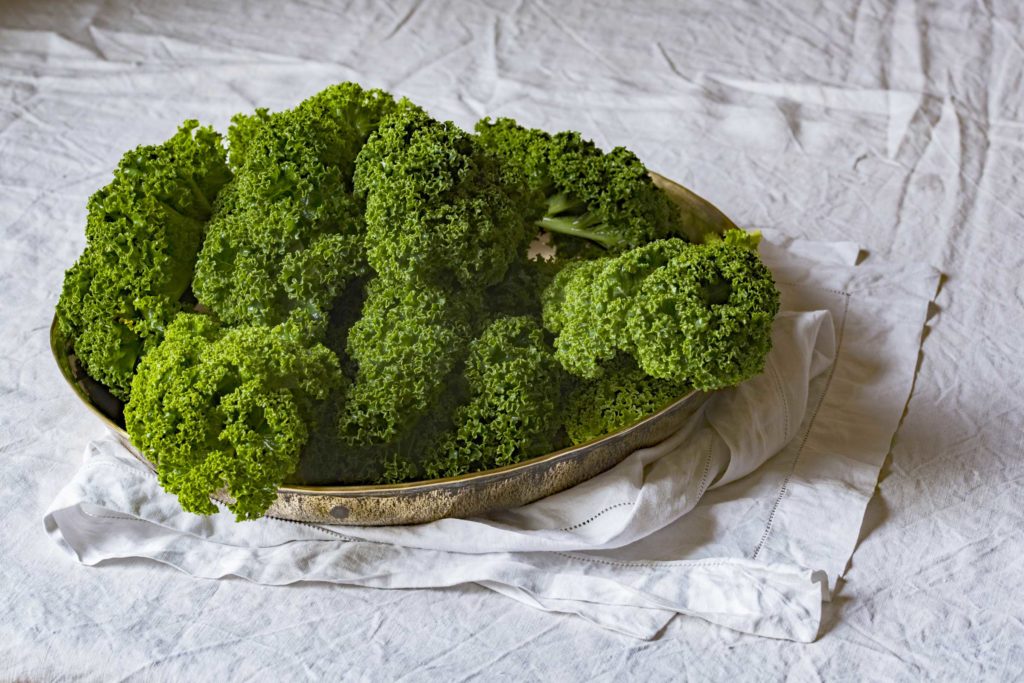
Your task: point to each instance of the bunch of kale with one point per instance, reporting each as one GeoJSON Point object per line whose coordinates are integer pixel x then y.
{"type": "Point", "coordinates": [345, 295]}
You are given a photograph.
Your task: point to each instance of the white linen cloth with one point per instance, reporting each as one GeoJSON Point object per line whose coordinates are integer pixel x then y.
{"type": "Point", "coordinates": [620, 549]}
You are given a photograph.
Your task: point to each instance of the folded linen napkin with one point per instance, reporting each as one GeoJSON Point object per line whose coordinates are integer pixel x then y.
{"type": "Point", "coordinates": [745, 516]}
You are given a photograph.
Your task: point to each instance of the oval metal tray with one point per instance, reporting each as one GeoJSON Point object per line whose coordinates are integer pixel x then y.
{"type": "Point", "coordinates": [425, 501]}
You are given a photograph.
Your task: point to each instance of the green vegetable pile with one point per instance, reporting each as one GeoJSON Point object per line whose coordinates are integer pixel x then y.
{"type": "Point", "coordinates": [344, 293]}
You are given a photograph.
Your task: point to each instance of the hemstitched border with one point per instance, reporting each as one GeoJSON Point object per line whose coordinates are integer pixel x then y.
{"type": "Point", "coordinates": [810, 427]}
{"type": "Point", "coordinates": [595, 516]}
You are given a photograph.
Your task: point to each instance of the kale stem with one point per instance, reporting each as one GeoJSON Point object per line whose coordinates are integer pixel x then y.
{"type": "Point", "coordinates": [570, 226]}
{"type": "Point", "coordinates": [562, 202]}
{"type": "Point", "coordinates": [178, 214]}
{"type": "Point", "coordinates": [198, 194]}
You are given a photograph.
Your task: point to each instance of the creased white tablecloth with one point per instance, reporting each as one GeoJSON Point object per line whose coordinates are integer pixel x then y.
{"type": "Point", "coordinates": [623, 549]}
{"type": "Point", "coordinates": [895, 124]}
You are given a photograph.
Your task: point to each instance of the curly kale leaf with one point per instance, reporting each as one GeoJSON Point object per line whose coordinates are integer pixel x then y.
{"type": "Point", "coordinates": [329, 459]}
{"type": "Point", "coordinates": [622, 395]}
{"type": "Point", "coordinates": [706, 317]}
{"type": "Point", "coordinates": [700, 314]}
{"type": "Point", "coordinates": [437, 205]}
{"type": "Point", "coordinates": [143, 231]}
{"type": "Point", "coordinates": [287, 236]}
{"type": "Point", "coordinates": [589, 301]}
{"type": "Point", "coordinates": [410, 337]}
{"type": "Point", "coordinates": [514, 386]}
{"type": "Point", "coordinates": [441, 227]}
{"type": "Point", "coordinates": [606, 199]}
{"type": "Point", "coordinates": [227, 409]}
{"type": "Point", "coordinates": [345, 113]}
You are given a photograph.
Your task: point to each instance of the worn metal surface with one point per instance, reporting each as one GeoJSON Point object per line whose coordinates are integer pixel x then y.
{"type": "Point", "coordinates": [418, 502]}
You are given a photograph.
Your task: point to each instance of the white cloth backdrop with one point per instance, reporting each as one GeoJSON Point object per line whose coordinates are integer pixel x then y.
{"type": "Point", "coordinates": [895, 125]}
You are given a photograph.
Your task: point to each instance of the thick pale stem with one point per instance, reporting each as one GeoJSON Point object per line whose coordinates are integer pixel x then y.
{"type": "Point", "coordinates": [563, 202]}
{"type": "Point", "coordinates": [570, 226]}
